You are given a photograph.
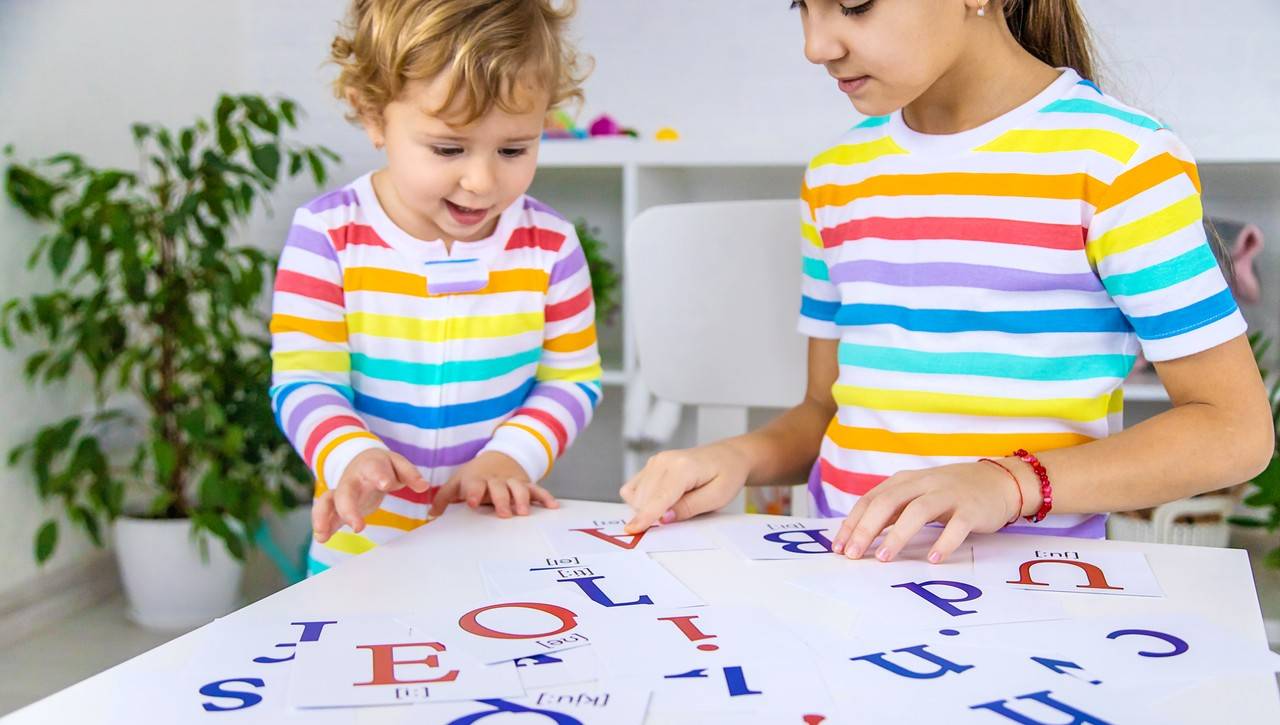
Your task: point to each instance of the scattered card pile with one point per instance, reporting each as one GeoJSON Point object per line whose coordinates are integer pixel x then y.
{"type": "Point", "coordinates": [592, 630]}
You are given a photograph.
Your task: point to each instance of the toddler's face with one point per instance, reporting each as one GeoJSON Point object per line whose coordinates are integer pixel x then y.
{"type": "Point", "coordinates": [883, 54]}
{"type": "Point", "coordinates": [452, 182]}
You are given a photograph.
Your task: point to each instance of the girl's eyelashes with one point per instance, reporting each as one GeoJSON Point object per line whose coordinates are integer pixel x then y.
{"type": "Point", "coordinates": [859, 9]}
{"type": "Point", "coordinates": [845, 10]}
{"type": "Point", "coordinates": [452, 151]}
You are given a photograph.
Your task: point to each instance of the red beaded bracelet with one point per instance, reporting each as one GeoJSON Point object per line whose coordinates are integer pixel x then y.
{"type": "Point", "coordinates": [1046, 488]}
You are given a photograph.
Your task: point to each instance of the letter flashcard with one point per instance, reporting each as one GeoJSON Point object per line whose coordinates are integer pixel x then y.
{"type": "Point", "coordinates": [1064, 569]}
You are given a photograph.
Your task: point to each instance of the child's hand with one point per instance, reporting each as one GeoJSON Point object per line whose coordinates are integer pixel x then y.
{"type": "Point", "coordinates": [367, 479]}
{"type": "Point", "coordinates": [496, 478]}
{"type": "Point", "coordinates": [678, 485]}
{"type": "Point", "coordinates": [967, 497]}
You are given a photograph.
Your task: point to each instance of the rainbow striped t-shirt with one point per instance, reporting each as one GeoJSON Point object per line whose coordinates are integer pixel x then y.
{"type": "Point", "coordinates": [990, 289]}
{"type": "Point", "coordinates": [382, 340]}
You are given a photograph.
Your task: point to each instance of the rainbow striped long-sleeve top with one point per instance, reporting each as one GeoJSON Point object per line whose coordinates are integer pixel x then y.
{"type": "Point", "coordinates": [382, 340]}
{"type": "Point", "coordinates": [990, 289]}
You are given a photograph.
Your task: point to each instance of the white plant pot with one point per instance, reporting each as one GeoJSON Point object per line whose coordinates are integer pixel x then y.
{"type": "Point", "coordinates": [1163, 526]}
{"type": "Point", "coordinates": [169, 583]}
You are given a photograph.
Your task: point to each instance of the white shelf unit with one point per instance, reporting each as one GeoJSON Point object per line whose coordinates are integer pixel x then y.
{"type": "Point", "coordinates": [610, 181]}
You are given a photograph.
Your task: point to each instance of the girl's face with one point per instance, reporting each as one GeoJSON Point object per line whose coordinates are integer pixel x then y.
{"type": "Point", "coordinates": [452, 182]}
{"type": "Point", "coordinates": [884, 54]}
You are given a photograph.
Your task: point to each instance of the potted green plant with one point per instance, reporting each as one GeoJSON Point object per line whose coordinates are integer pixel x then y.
{"type": "Point", "coordinates": [162, 313]}
{"type": "Point", "coordinates": [605, 280]}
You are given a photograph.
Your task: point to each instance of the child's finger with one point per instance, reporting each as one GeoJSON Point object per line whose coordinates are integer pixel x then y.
{"type": "Point", "coordinates": [382, 475]}
{"type": "Point", "coordinates": [445, 495]}
{"type": "Point", "coordinates": [875, 518]}
{"type": "Point", "coordinates": [322, 514]}
{"type": "Point", "coordinates": [542, 496]}
{"type": "Point", "coordinates": [407, 473]}
{"type": "Point", "coordinates": [653, 499]}
{"type": "Point", "coordinates": [335, 523]}
{"type": "Point", "coordinates": [850, 521]}
{"type": "Point", "coordinates": [914, 516]}
{"type": "Point", "coordinates": [698, 501]}
{"type": "Point", "coordinates": [953, 535]}
{"type": "Point", "coordinates": [346, 501]}
{"type": "Point", "coordinates": [473, 490]}
{"type": "Point", "coordinates": [500, 497]}
{"type": "Point", "coordinates": [519, 495]}
{"type": "Point", "coordinates": [628, 490]}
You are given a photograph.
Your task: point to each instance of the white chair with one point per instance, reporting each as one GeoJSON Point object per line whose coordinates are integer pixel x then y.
{"type": "Point", "coordinates": [713, 290]}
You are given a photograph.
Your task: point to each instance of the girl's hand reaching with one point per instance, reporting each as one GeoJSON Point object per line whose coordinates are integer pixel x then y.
{"type": "Point", "coordinates": [966, 497]}
{"type": "Point", "coordinates": [678, 485]}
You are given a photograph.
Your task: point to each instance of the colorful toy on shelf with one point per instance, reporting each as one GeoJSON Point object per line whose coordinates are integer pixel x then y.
{"type": "Point", "coordinates": [560, 125]}
{"type": "Point", "coordinates": [604, 125]}
{"type": "Point", "coordinates": [666, 133]}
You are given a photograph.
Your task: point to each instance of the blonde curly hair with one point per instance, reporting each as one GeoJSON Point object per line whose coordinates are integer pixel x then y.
{"type": "Point", "coordinates": [487, 48]}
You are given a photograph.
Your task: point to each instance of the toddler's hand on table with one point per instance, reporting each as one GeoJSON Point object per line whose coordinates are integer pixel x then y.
{"type": "Point", "coordinates": [495, 478]}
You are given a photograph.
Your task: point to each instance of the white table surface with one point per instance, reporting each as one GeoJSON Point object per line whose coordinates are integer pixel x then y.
{"type": "Point", "coordinates": [437, 564]}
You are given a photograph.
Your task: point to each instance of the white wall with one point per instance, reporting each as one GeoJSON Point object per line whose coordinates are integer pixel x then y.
{"type": "Point", "coordinates": [733, 70]}
{"type": "Point", "coordinates": [1210, 70]}
{"type": "Point", "coordinates": [716, 70]}
{"type": "Point", "coordinates": [73, 75]}
{"type": "Point", "coordinates": [713, 69]}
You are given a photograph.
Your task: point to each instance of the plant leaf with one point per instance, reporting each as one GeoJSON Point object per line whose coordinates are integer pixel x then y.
{"type": "Point", "coordinates": [288, 111]}
{"type": "Point", "coordinates": [260, 114]}
{"type": "Point", "coordinates": [266, 157]}
{"type": "Point", "coordinates": [166, 458]}
{"type": "Point", "coordinates": [46, 541]}
{"type": "Point", "coordinates": [318, 172]}
{"type": "Point", "coordinates": [33, 193]}
{"type": "Point", "coordinates": [1272, 559]}
{"type": "Point", "coordinates": [88, 521]}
